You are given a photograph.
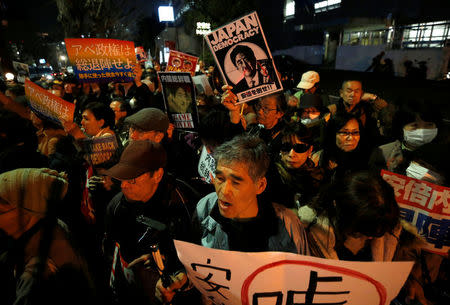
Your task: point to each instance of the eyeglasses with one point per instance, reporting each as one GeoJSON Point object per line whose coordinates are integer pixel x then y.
{"type": "Point", "coordinates": [298, 148]}
{"type": "Point", "coordinates": [348, 133]}
{"type": "Point", "coordinates": [264, 109]}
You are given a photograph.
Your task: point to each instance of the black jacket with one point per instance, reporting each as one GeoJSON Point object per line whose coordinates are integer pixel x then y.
{"type": "Point", "coordinates": [124, 224]}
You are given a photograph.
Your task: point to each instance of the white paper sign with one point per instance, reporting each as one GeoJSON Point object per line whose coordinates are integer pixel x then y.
{"type": "Point", "coordinates": [278, 278]}
{"type": "Point", "coordinates": [206, 166]}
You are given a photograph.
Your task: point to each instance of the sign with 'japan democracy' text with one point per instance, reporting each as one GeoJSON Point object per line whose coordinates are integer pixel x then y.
{"type": "Point", "coordinates": [49, 105]}
{"type": "Point", "coordinates": [101, 60]}
{"type": "Point", "coordinates": [279, 278]}
{"type": "Point", "coordinates": [181, 62]}
{"type": "Point", "coordinates": [426, 206]}
{"type": "Point", "coordinates": [244, 59]}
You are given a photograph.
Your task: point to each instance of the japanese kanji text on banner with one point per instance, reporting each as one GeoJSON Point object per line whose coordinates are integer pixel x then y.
{"type": "Point", "coordinates": [47, 104]}
{"type": "Point", "coordinates": [101, 60]}
{"type": "Point", "coordinates": [179, 99]}
{"type": "Point", "coordinates": [425, 205]}
{"type": "Point", "coordinates": [244, 59]}
{"type": "Point", "coordinates": [278, 278]}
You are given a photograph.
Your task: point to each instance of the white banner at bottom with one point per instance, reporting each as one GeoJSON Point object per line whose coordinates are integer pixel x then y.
{"type": "Point", "coordinates": [278, 278]}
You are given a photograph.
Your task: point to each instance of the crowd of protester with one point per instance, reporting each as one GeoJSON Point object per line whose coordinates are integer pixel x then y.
{"type": "Point", "coordinates": [292, 172]}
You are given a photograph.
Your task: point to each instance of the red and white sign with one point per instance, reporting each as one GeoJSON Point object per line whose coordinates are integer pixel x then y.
{"type": "Point", "coordinates": [231, 277]}
{"type": "Point", "coordinates": [47, 104]}
{"type": "Point", "coordinates": [181, 62]}
{"type": "Point", "coordinates": [425, 205]}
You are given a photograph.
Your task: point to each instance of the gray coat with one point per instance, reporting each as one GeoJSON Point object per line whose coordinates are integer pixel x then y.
{"type": "Point", "coordinates": [290, 235]}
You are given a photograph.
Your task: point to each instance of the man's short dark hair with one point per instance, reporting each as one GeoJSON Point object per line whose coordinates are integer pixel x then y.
{"type": "Point", "coordinates": [250, 150]}
{"type": "Point", "coordinates": [247, 51]}
{"type": "Point", "coordinates": [124, 105]}
{"type": "Point", "coordinates": [350, 80]}
{"type": "Point", "coordinates": [281, 101]}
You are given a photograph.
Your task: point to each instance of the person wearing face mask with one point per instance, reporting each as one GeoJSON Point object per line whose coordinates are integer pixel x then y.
{"type": "Point", "coordinates": [314, 116]}
{"type": "Point", "coordinates": [414, 125]}
{"type": "Point", "coordinates": [430, 164]}
{"type": "Point", "coordinates": [294, 179]}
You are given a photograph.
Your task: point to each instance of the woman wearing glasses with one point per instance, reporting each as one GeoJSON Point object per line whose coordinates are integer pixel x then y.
{"type": "Point", "coordinates": [294, 178]}
{"type": "Point", "coordinates": [344, 148]}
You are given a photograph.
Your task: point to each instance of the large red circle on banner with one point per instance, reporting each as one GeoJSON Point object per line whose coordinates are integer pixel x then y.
{"type": "Point", "coordinates": [344, 271]}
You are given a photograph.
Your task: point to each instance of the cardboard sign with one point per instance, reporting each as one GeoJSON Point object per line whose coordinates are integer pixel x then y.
{"type": "Point", "coordinates": [179, 99]}
{"type": "Point", "coordinates": [244, 59]}
{"type": "Point", "coordinates": [22, 71]}
{"type": "Point", "coordinates": [278, 278]}
{"type": "Point", "coordinates": [101, 60]}
{"type": "Point", "coordinates": [425, 205]}
{"type": "Point", "coordinates": [202, 85]}
{"type": "Point", "coordinates": [140, 54]}
{"type": "Point", "coordinates": [181, 62]}
{"type": "Point", "coordinates": [100, 150]}
{"type": "Point", "coordinates": [49, 105]}
{"type": "Point", "coordinates": [206, 166]}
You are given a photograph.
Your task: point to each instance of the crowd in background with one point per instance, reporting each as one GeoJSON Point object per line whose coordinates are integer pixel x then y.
{"type": "Point", "coordinates": [299, 157]}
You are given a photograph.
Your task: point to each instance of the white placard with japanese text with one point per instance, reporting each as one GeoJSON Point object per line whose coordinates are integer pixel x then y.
{"type": "Point", "coordinates": [278, 278]}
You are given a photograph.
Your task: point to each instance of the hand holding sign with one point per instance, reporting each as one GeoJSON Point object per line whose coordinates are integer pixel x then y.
{"type": "Point", "coordinates": [231, 277]}
{"type": "Point", "coordinates": [137, 71]}
{"type": "Point", "coordinates": [229, 100]}
{"type": "Point", "coordinates": [166, 294]}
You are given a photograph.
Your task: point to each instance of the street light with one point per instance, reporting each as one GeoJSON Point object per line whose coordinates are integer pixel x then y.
{"type": "Point", "coordinates": [165, 13]}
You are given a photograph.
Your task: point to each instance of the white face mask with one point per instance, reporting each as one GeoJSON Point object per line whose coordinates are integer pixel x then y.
{"type": "Point", "coordinates": [414, 170]}
{"type": "Point", "coordinates": [310, 119]}
{"type": "Point", "coordinates": [418, 137]}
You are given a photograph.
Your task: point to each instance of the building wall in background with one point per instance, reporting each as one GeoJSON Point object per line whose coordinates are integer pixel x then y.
{"type": "Point", "coordinates": [359, 58]}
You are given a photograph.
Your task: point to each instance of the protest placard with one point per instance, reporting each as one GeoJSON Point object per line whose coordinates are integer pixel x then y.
{"type": "Point", "coordinates": [279, 278]}
{"type": "Point", "coordinates": [22, 71]}
{"type": "Point", "coordinates": [140, 54]}
{"type": "Point", "coordinates": [202, 85]}
{"type": "Point", "coordinates": [244, 59]}
{"type": "Point", "coordinates": [101, 60]}
{"type": "Point", "coordinates": [426, 206]}
{"type": "Point", "coordinates": [179, 99]}
{"type": "Point", "coordinates": [49, 105]}
{"type": "Point", "coordinates": [181, 62]}
{"type": "Point", "coordinates": [206, 166]}
{"type": "Point", "coordinates": [100, 150]}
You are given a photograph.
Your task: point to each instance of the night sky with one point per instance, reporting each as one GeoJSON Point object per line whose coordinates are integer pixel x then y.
{"type": "Point", "coordinates": [42, 14]}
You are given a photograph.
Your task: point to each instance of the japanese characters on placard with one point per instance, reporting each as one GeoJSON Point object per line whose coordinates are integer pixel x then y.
{"type": "Point", "coordinates": [279, 278]}
{"type": "Point", "coordinates": [49, 105]}
{"type": "Point", "coordinates": [425, 205]}
{"type": "Point", "coordinates": [179, 99]}
{"type": "Point", "coordinates": [244, 59]}
{"type": "Point", "coordinates": [181, 62]}
{"type": "Point", "coordinates": [206, 166]}
{"type": "Point", "coordinates": [100, 150]}
{"type": "Point", "coordinates": [101, 60]}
